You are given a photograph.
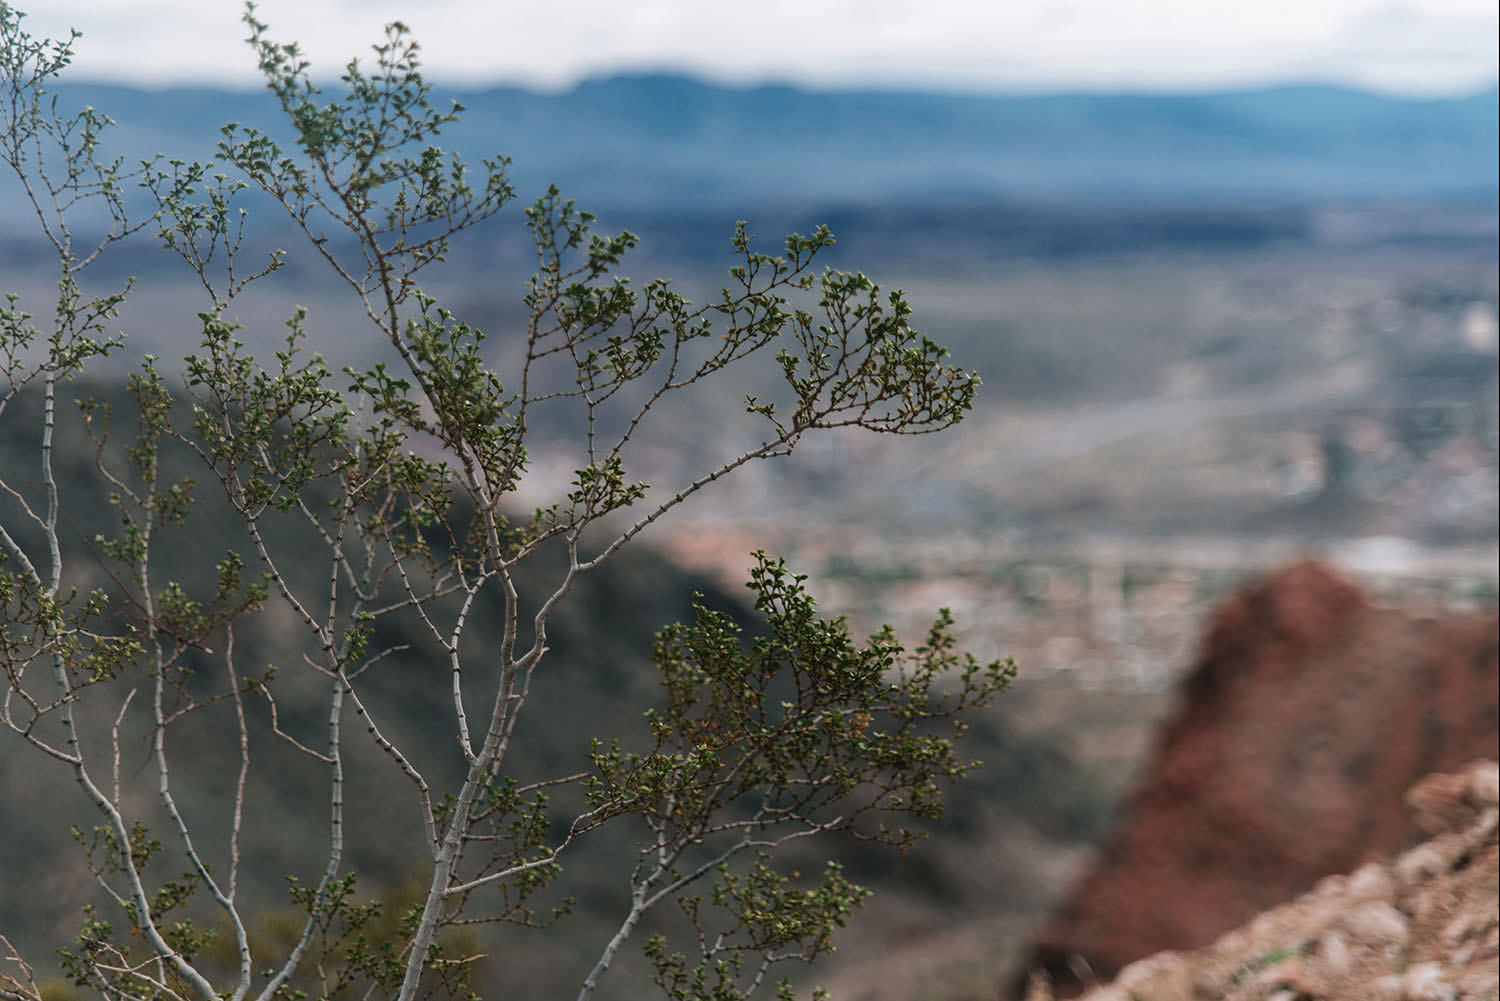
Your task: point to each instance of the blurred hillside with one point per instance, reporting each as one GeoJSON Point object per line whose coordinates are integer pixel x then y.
{"type": "Point", "coordinates": [597, 682]}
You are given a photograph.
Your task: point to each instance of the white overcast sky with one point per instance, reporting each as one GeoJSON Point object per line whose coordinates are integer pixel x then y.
{"type": "Point", "coordinates": [984, 46]}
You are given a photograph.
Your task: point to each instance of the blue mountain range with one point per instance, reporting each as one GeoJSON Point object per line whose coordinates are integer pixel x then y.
{"type": "Point", "coordinates": [657, 142]}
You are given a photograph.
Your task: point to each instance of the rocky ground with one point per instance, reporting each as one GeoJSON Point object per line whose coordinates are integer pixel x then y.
{"type": "Point", "coordinates": [1419, 926]}
{"type": "Point", "coordinates": [1309, 715]}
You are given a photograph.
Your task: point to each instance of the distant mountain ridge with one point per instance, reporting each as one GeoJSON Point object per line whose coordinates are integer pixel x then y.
{"type": "Point", "coordinates": [661, 142]}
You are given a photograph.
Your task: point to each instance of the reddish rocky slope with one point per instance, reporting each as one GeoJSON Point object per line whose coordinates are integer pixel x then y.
{"type": "Point", "coordinates": [1308, 717]}
{"type": "Point", "coordinates": [1421, 926]}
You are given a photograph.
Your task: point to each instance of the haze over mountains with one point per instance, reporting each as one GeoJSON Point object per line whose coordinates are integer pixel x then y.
{"type": "Point", "coordinates": [649, 143]}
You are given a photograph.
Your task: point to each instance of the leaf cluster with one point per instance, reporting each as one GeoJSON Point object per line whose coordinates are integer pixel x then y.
{"type": "Point", "coordinates": [799, 731]}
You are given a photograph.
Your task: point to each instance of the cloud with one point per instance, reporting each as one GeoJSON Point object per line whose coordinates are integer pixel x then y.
{"type": "Point", "coordinates": [1405, 48]}
{"type": "Point", "coordinates": [1426, 46]}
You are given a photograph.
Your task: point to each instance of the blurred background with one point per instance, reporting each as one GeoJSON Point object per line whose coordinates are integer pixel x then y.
{"type": "Point", "coordinates": [1228, 272]}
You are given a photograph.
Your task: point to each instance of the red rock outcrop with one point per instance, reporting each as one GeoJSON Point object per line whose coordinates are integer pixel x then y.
{"type": "Point", "coordinates": [1309, 716]}
{"type": "Point", "coordinates": [1421, 926]}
